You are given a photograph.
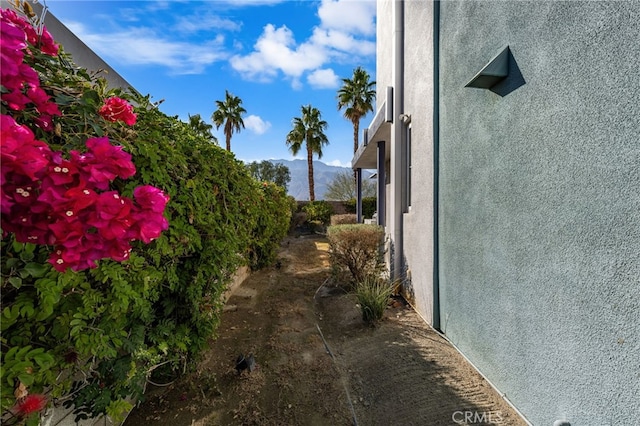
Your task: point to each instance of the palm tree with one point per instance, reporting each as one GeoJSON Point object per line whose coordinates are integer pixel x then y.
{"type": "Point", "coordinates": [356, 95]}
{"type": "Point", "coordinates": [308, 129]}
{"type": "Point", "coordinates": [229, 113]}
{"type": "Point", "coordinates": [202, 128]}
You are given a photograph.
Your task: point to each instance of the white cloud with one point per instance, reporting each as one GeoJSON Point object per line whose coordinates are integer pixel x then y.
{"type": "Point", "coordinates": [343, 42]}
{"type": "Point", "coordinates": [345, 32]}
{"type": "Point", "coordinates": [256, 124]}
{"type": "Point", "coordinates": [338, 163]}
{"type": "Point", "coordinates": [323, 79]}
{"type": "Point", "coordinates": [276, 51]}
{"type": "Point", "coordinates": [205, 23]}
{"type": "Point", "coordinates": [145, 47]}
{"type": "Point", "coordinates": [356, 16]}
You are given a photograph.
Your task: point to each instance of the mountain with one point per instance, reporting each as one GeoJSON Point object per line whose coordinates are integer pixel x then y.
{"type": "Point", "coordinates": [323, 174]}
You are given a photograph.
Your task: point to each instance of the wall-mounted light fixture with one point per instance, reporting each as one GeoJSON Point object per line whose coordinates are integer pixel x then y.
{"type": "Point", "coordinates": [389, 105]}
{"type": "Point", "coordinates": [495, 71]}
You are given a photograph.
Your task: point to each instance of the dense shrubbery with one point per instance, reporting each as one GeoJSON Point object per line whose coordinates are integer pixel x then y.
{"type": "Point", "coordinates": [357, 249]}
{"type": "Point", "coordinates": [91, 337]}
{"type": "Point", "coordinates": [318, 211]}
{"type": "Point", "coordinates": [368, 206]}
{"type": "Point", "coordinates": [342, 219]}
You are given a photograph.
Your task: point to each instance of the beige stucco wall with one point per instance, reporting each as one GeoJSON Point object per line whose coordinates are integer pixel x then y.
{"type": "Point", "coordinates": [418, 102]}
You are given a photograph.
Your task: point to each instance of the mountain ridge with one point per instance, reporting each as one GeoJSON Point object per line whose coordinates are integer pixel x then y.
{"type": "Point", "coordinates": [323, 175]}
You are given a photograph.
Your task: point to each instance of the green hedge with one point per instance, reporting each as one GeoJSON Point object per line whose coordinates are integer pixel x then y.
{"type": "Point", "coordinates": [369, 206]}
{"type": "Point", "coordinates": [94, 336]}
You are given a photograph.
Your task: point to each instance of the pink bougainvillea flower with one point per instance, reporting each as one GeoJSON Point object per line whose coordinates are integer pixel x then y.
{"type": "Point", "coordinates": [150, 198]}
{"type": "Point", "coordinates": [103, 163]}
{"type": "Point", "coordinates": [11, 16]}
{"type": "Point", "coordinates": [11, 49]}
{"type": "Point", "coordinates": [46, 43]}
{"type": "Point", "coordinates": [31, 404]}
{"type": "Point", "coordinates": [13, 37]}
{"type": "Point", "coordinates": [12, 134]}
{"type": "Point", "coordinates": [15, 100]}
{"type": "Point", "coordinates": [80, 198]}
{"type": "Point", "coordinates": [20, 151]}
{"type": "Point", "coordinates": [32, 159]}
{"type": "Point", "coordinates": [115, 109]}
{"type": "Point", "coordinates": [42, 101]}
{"type": "Point", "coordinates": [112, 216]}
{"type": "Point", "coordinates": [43, 41]}
{"type": "Point", "coordinates": [63, 172]}
{"type": "Point", "coordinates": [147, 227]}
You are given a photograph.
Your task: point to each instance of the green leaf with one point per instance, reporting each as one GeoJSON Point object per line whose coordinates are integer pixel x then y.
{"type": "Point", "coordinates": [36, 270]}
{"type": "Point", "coordinates": [26, 378]}
{"type": "Point", "coordinates": [15, 281]}
{"type": "Point", "coordinates": [96, 128]}
{"type": "Point", "coordinates": [17, 247]}
{"type": "Point", "coordinates": [26, 256]}
{"type": "Point", "coordinates": [91, 97]}
{"type": "Point", "coordinates": [12, 262]}
{"type": "Point", "coordinates": [44, 361]}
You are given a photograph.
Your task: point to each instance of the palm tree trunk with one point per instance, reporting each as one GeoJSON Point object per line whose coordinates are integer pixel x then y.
{"type": "Point", "coordinates": [356, 130]}
{"type": "Point", "coordinates": [228, 142]}
{"type": "Point", "coordinates": [312, 195]}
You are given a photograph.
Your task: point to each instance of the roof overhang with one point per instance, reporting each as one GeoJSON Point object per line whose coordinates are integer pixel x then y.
{"type": "Point", "coordinates": [366, 157]}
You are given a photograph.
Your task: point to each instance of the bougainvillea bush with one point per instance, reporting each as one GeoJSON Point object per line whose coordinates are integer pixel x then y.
{"type": "Point", "coordinates": [121, 227]}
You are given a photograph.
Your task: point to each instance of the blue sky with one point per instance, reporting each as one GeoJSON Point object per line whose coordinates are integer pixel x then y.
{"type": "Point", "coordinates": [275, 55]}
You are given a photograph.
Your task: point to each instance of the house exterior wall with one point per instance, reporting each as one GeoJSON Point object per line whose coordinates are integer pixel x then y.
{"type": "Point", "coordinates": [418, 102]}
{"type": "Point", "coordinates": [540, 205]}
{"type": "Point", "coordinates": [384, 51]}
{"type": "Point", "coordinates": [384, 79]}
{"type": "Point", "coordinates": [82, 55]}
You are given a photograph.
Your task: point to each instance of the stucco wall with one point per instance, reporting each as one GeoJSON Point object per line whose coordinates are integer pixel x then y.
{"type": "Point", "coordinates": [540, 205]}
{"type": "Point", "coordinates": [384, 50]}
{"type": "Point", "coordinates": [418, 102]}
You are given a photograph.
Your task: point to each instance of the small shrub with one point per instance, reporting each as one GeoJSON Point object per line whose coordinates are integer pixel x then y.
{"type": "Point", "coordinates": [373, 295]}
{"type": "Point", "coordinates": [318, 211]}
{"type": "Point", "coordinates": [369, 206]}
{"type": "Point", "coordinates": [356, 248]}
{"type": "Point", "coordinates": [342, 219]}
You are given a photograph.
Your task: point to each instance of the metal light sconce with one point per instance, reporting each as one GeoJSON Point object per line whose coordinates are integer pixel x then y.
{"type": "Point", "coordinates": [494, 72]}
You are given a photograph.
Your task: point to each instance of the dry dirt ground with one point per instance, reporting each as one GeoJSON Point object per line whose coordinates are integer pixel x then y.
{"type": "Point", "coordinates": [317, 363]}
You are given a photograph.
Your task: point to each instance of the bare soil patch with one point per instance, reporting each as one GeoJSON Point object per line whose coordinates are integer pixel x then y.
{"type": "Point", "coordinates": [318, 363]}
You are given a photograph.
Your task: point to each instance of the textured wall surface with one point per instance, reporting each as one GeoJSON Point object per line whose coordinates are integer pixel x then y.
{"type": "Point", "coordinates": [540, 205]}
{"type": "Point", "coordinates": [418, 102]}
{"type": "Point", "coordinates": [384, 50]}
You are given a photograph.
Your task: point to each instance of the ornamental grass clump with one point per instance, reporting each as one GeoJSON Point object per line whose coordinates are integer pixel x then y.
{"type": "Point", "coordinates": [356, 249]}
{"type": "Point", "coordinates": [373, 296]}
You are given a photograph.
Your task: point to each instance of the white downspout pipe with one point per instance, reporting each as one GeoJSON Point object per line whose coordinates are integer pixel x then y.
{"type": "Point", "coordinates": [397, 156]}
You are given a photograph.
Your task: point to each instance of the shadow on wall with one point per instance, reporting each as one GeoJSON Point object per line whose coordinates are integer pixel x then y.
{"type": "Point", "coordinates": [514, 79]}
{"type": "Point", "coordinates": [406, 285]}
